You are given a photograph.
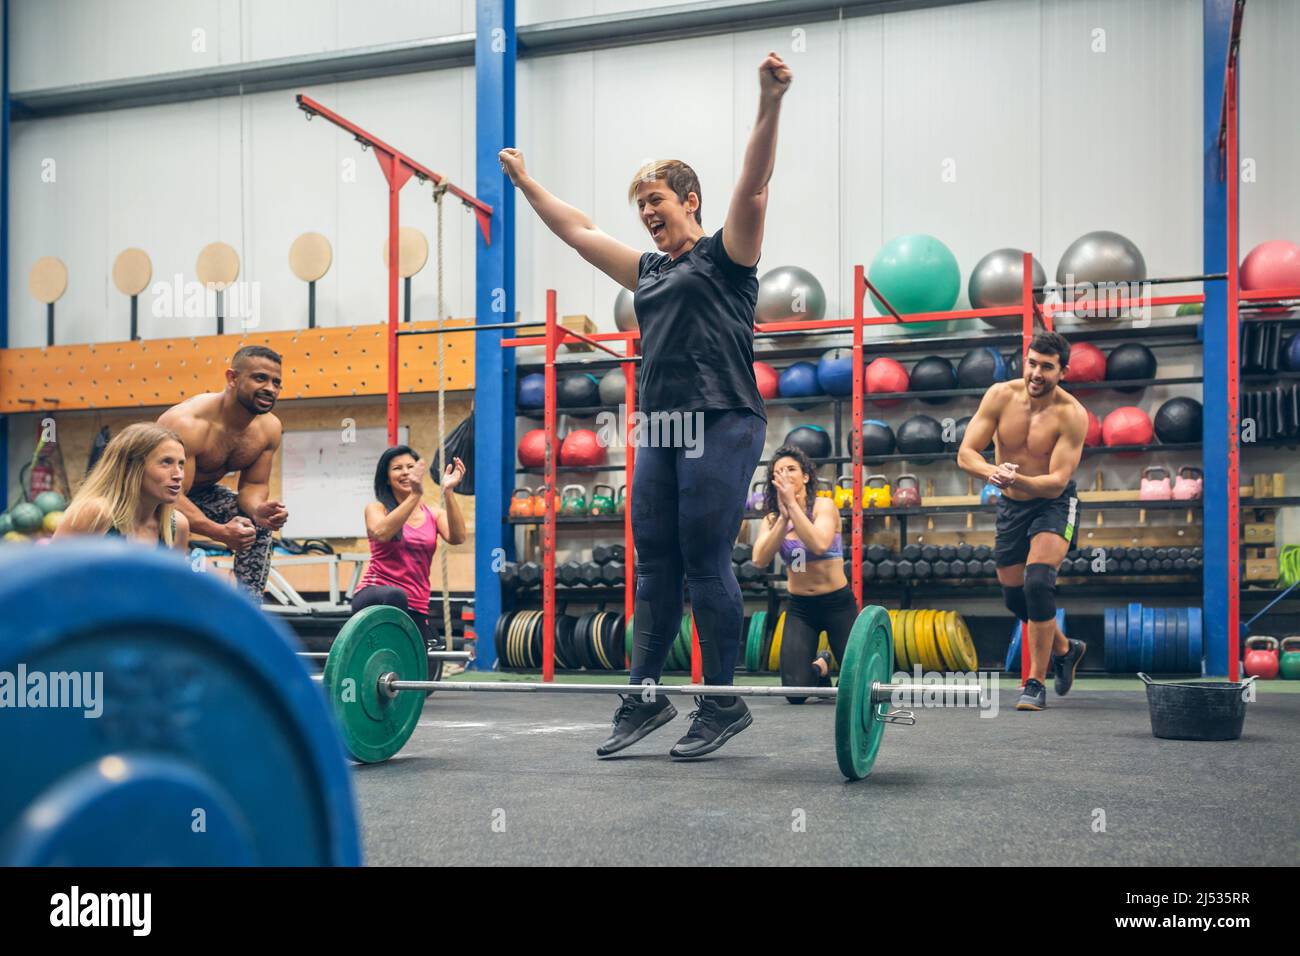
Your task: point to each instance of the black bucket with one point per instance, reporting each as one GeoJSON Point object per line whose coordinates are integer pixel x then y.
{"type": "Point", "coordinates": [1187, 710]}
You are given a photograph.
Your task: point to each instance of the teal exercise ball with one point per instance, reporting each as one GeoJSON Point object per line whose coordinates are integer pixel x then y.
{"type": "Point", "coordinates": [916, 273]}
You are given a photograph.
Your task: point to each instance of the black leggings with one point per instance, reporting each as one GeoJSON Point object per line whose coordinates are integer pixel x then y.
{"type": "Point", "coordinates": [394, 597]}
{"type": "Point", "coordinates": [806, 617]}
{"type": "Point", "coordinates": [686, 512]}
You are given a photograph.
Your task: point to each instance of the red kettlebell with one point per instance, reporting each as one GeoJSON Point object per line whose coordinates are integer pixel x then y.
{"type": "Point", "coordinates": [532, 449]}
{"type": "Point", "coordinates": [1189, 483]}
{"type": "Point", "coordinates": [582, 447]}
{"type": "Point", "coordinates": [1262, 657]}
{"type": "Point", "coordinates": [907, 492]}
{"type": "Point", "coordinates": [1155, 488]}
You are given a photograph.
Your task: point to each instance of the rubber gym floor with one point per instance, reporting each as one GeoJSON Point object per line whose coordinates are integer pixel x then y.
{"type": "Point", "coordinates": [513, 779]}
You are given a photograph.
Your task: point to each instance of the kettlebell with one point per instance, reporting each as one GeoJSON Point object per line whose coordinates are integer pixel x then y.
{"type": "Point", "coordinates": [602, 504]}
{"type": "Point", "coordinates": [521, 503]}
{"type": "Point", "coordinates": [825, 489]}
{"type": "Point", "coordinates": [1155, 489]}
{"type": "Point", "coordinates": [990, 494]}
{"type": "Point", "coordinates": [539, 501]}
{"type": "Point", "coordinates": [573, 501]}
{"type": "Point", "coordinates": [621, 507]}
{"type": "Point", "coordinates": [756, 495]}
{"type": "Point", "coordinates": [1290, 663]}
{"type": "Point", "coordinates": [1262, 657]}
{"type": "Point", "coordinates": [876, 495]}
{"type": "Point", "coordinates": [907, 491]}
{"type": "Point", "coordinates": [1189, 484]}
{"type": "Point", "coordinates": [843, 492]}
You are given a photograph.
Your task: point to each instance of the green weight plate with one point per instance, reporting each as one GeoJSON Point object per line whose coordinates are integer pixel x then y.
{"type": "Point", "coordinates": [628, 636]}
{"type": "Point", "coordinates": [754, 646]}
{"type": "Point", "coordinates": [376, 640]}
{"type": "Point", "coordinates": [868, 659]}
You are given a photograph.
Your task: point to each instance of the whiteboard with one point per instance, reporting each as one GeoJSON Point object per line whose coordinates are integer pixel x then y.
{"type": "Point", "coordinates": [327, 482]}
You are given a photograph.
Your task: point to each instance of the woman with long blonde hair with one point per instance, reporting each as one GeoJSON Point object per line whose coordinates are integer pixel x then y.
{"type": "Point", "coordinates": [132, 490]}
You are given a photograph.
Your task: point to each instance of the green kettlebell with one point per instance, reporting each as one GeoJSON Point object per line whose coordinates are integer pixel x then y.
{"type": "Point", "coordinates": [1290, 667]}
{"type": "Point", "coordinates": [573, 501]}
{"type": "Point", "coordinates": [602, 504]}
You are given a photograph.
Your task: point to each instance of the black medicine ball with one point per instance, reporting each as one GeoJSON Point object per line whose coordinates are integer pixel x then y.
{"type": "Point", "coordinates": [931, 374]}
{"type": "Point", "coordinates": [877, 439]}
{"type": "Point", "coordinates": [812, 440]}
{"type": "Point", "coordinates": [577, 390]}
{"type": "Point", "coordinates": [1179, 420]}
{"type": "Point", "coordinates": [980, 368]}
{"type": "Point", "coordinates": [1131, 361]}
{"type": "Point", "coordinates": [920, 435]}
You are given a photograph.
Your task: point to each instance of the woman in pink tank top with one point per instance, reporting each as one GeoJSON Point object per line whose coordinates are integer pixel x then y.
{"type": "Point", "coordinates": [404, 532]}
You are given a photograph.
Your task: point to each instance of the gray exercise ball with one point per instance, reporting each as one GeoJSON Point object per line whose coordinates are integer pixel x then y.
{"type": "Point", "coordinates": [613, 387]}
{"type": "Point", "coordinates": [624, 312]}
{"type": "Point", "coordinates": [790, 294]}
{"type": "Point", "coordinates": [1097, 257]}
{"type": "Point", "coordinates": [996, 280]}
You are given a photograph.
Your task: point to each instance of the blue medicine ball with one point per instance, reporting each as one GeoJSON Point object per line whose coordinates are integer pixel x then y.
{"type": "Point", "coordinates": [532, 390]}
{"type": "Point", "coordinates": [835, 372]}
{"type": "Point", "coordinates": [799, 381]}
{"type": "Point", "coordinates": [1291, 354]}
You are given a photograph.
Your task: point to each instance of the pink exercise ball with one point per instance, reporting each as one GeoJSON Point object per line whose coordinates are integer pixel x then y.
{"type": "Point", "coordinates": [1274, 264]}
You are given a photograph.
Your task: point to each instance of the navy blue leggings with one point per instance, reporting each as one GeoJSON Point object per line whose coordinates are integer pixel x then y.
{"type": "Point", "coordinates": [686, 513]}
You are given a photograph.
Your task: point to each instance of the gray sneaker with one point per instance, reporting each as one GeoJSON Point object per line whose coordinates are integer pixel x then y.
{"type": "Point", "coordinates": [1066, 665]}
{"type": "Point", "coordinates": [1033, 697]}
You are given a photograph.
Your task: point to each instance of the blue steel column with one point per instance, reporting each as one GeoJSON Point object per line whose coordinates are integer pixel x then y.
{"type": "Point", "coordinates": [4, 244]}
{"type": "Point", "coordinates": [494, 367]}
{"type": "Point", "coordinates": [1217, 16]}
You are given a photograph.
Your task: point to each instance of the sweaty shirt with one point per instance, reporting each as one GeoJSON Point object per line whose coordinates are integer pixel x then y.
{"type": "Point", "coordinates": [696, 315]}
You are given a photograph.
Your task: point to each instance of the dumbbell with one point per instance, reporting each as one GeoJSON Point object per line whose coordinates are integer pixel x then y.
{"type": "Point", "coordinates": [990, 567]}
{"type": "Point", "coordinates": [1161, 553]}
{"type": "Point", "coordinates": [912, 552]}
{"type": "Point", "coordinates": [742, 553]}
{"type": "Point", "coordinates": [569, 573]}
{"type": "Point", "coordinates": [941, 568]}
{"type": "Point", "coordinates": [965, 552]}
{"type": "Point", "coordinates": [750, 572]}
{"type": "Point", "coordinates": [530, 574]}
{"type": "Point", "coordinates": [1140, 566]}
{"type": "Point", "coordinates": [868, 571]}
{"type": "Point", "coordinates": [604, 553]}
{"type": "Point", "coordinates": [982, 553]}
{"type": "Point", "coordinates": [1180, 564]}
{"type": "Point", "coordinates": [1194, 564]}
{"type": "Point", "coordinates": [1148, 554]}
{"type": "Point", "coordinates": [929, 553]}
{"type": "Point", "coordinates": [948, 553]}
{"type": "Point", "coordinates": [509, 573]}
{"type": "Point", "coordinates": [589, 571]}
{"type": "Point", "coordinates": [1197, 553]}
{"type": "Point", "coordinates": [904, 569]}
{"type": "Point", "coordinates": [887, 569]}
{"type": "Point", "coordinates": [877, 553]}
{"type": "Point", "coordinates": [958, 569]}
{"type": "Point", "coordinates": [1117, 554]}
{"type": "Point", "coordinates": [922, 569]}
{"type": "Point", "coordinates": [1126, 566]}
{"type": "Point", "coordinates": [612, 573]}
{"type": "Point", "coordinates": [1071, 554]}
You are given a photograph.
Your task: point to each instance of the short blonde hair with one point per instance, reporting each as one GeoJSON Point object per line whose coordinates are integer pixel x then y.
{"type": "Point", "coordinates": [679, 177]}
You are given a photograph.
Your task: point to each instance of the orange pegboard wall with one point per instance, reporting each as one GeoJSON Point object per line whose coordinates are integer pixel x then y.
{"type": "Point", "coordinates": [318, 363]}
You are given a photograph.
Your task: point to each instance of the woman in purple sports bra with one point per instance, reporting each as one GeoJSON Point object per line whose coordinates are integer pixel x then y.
{"type": "Point", "coordinates": [404, 532]}
{"type": "Point", "coordinates": [805, 530]}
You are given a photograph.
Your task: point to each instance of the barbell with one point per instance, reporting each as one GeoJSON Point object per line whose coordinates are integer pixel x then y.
{"type": "Point", "coordinates": [373, 681]}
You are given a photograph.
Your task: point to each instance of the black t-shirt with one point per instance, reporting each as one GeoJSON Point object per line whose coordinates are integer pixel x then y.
{"type": "Point", "coordinates": [697, 331]}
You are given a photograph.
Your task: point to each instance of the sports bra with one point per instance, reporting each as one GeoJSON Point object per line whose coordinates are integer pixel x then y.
{"type": "Point", "coordinates": [792, 546]}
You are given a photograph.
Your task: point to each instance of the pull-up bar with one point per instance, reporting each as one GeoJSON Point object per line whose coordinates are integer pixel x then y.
{"type": "Point", "coordinates": [397, 168]}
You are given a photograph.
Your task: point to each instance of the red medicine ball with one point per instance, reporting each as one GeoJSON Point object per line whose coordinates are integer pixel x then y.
{"type": "Point", "coordinates": [1127, 425]}
{"type": "Point", "coordinates": [1087, 364]}
{"type": "Point", "coordinates": [1093, 438]}
{"type": "Point", "coordinates": [582, 447]}
{"type": "Point", "coordinates": [886, 375]}
{"type": "Point", "coordinates": [532, 449]}
{"type": "Point", "coordinates": [767, 379]}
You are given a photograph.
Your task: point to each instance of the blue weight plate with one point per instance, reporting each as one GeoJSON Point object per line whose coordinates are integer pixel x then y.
{"type": "Point", "coordinates": [1133, 660]}
{"type": "Point", "coordinates": [1148, 660]}
{"type": "Point", "coordinates": [1013, 649]}
{"type": "Point", "coordinates": [1195, 646]}
{"type": "Point", "coordinates": [1158, 662]}
{"type": "Point", "coordinates": [178, 696]}
{"type": "Point", "coordinates": [1108, 637]}
{"type": "Point", "coordinates": [1181, 643]}
{"type": "Point", "coordinates": [1121, 639]}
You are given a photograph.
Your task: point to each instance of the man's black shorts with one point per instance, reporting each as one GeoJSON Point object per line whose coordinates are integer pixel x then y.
{"type": "Point", "coordinates": [1019, 521]}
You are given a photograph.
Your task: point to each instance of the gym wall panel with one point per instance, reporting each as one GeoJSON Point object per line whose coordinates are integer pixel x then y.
{"type": "Point", "coordinates": [66, 42]}
{"type": "Point", "coordinates": [1270, 137]}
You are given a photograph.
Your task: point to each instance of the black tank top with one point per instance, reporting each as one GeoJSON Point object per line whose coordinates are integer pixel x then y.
{"type": "Point", "coordinates": [696, 315]}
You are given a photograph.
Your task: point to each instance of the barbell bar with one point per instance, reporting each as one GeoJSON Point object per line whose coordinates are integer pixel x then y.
{"type": "Point", "coordinates": [432, 655]}
{"type": "Point", "coordinates": [378, 655]}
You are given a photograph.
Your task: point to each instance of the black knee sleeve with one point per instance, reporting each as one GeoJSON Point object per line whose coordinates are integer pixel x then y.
{"type": "Point", "coordinates": [1040, 592]}
{"type": "Point", "coordinates": [1015, 600]}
